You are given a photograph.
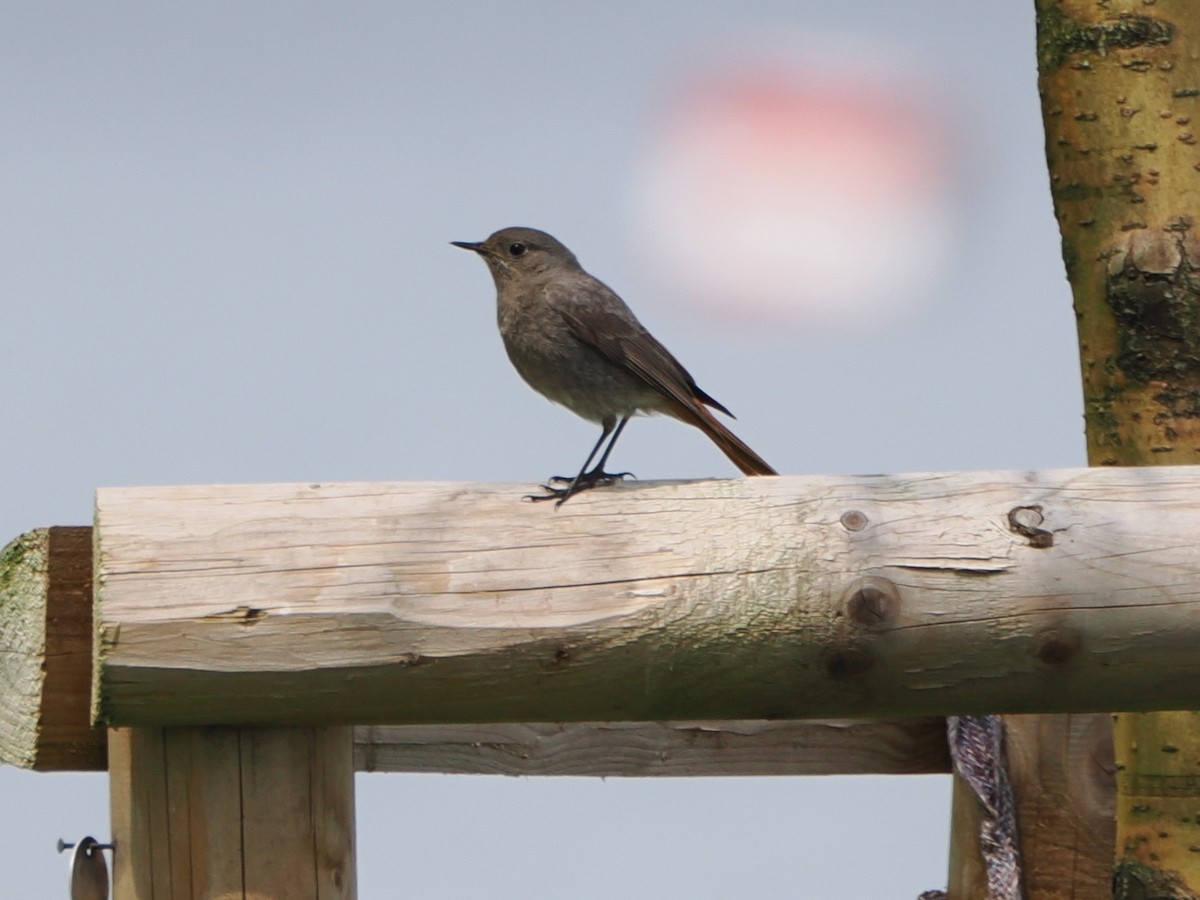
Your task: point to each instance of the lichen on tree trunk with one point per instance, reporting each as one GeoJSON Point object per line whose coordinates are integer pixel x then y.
{"type": "Point", "coordinates": [1121, 100]}
{"type": "Point", "coordinates": [1120, 87]}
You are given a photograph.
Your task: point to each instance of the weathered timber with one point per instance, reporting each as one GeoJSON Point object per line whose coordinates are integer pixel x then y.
{"type": "Point", "coordinates": [1062, 773]}
{"type": "Point", "coordinates": [967, 878]}
{"type": "Point", "coordinates": [914, 746]}
{"type": "Point", "coordinates": [232, 812]}
{"type": "Point", "coordinates": [46, 652]}
{"type": "Point", "coordinates": [747, 599]}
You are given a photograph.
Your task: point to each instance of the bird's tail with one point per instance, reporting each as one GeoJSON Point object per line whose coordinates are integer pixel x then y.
{"type": "Point", "coordinates": [731, 445]}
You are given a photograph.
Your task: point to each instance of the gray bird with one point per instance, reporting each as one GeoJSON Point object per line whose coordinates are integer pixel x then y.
{"type": "Point", "coordinates": [577, 343]}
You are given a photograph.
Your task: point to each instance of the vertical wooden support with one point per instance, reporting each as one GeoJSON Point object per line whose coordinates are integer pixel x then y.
{"type": "Point", "coordinates": [250, 813]}
{"type": "Point", "coordinates": [968, 874]}
{"type": "Point", "coordinates": [1062, 774]}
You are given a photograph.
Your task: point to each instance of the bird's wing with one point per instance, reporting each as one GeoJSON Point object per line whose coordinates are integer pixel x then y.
{"type": "Point", "coordinates": [600, 319]}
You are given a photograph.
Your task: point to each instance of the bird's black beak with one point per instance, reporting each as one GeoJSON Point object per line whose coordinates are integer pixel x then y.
{"type": "Point", "coordinates": [477, 246]}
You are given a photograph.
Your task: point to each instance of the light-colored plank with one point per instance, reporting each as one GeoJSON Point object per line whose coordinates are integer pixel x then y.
{"type": "Point", "coordinates": [204, 806]}
{"type": "Point", "coordinates": [749, 599]}
{"type": "Point", "coordinates": [139, 815]}
{"type": "Point", "coordinates": [298, 812]}
{"type": "Point", "coordinates": [252, 813]}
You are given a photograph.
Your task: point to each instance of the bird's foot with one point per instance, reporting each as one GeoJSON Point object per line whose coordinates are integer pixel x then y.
{"type": "Point", "coordinates": [592, 478]}
{"type": "Point", "coordinates": [584, 482]}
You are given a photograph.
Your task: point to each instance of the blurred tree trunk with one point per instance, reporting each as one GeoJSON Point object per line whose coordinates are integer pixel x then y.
{"type": "Point", "coordinates": [1120, 88]}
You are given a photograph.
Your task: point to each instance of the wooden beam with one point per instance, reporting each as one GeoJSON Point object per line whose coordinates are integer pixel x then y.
{"type": "Point", "coordinates": [46, 652]}
{"type": "Point", "coordinates": [49, 581]}
{"type": "Point", "coordinates": [672, 749]}
{"type": "Point", "coordinates": [232, 812]}
{"type": "Point", "coordinates": [749, 599]}
{"type": "Point", "coordinates": [648, 749]}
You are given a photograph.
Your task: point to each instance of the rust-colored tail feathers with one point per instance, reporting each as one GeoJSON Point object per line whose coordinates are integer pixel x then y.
{"type": "Point", "coordinates": [731, 445]}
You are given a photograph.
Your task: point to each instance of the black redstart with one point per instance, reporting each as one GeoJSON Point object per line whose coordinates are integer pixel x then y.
{"type": "Point", "coordinates": [577, 343]}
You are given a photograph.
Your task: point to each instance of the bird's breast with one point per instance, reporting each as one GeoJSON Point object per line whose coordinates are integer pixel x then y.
{"type": "Point", "coordinates": [557, 364]}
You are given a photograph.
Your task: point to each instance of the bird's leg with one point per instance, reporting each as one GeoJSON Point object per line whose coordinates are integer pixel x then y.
{"type": "Point", "coordinates": [586, 479]}
{"type": "Point", "coordinates": [561, 494]}
{"type": "Point", "coordinates": [598, 474]}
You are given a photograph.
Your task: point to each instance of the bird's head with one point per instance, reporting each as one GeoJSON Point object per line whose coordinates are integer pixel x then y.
{"type": "Point", "coordinates": [517, 253]}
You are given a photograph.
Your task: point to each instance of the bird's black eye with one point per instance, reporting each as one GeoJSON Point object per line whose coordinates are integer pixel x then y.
{"type": "Point", "coordinates": [517, 249]}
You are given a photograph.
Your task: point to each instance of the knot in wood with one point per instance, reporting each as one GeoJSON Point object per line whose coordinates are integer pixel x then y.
{"type": "Point", "coordinates": [1024, 520]}
{"type": "Point", "coordinates": [1056, 646]}
{"type": "Point", "coordinates": [871, 604]}
{"type": "Point", "coordinates": [848, 662]}
{"type": "Point", "coordinates": [853, 520]}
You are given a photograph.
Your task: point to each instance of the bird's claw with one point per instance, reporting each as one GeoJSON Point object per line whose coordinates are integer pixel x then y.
{"type": "Point", "coordinates": [592, 479]}
{"type": "Point", "coordinates": [575, 485]}
{"type": "Point", "coordinates": [552, 493]}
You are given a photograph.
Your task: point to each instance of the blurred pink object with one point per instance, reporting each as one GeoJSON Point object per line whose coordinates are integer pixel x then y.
{"type": "Point", "coordinates": [787, 192]}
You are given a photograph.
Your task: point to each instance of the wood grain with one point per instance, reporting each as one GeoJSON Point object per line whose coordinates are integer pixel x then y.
{"type": "Point", "coordinates": [967, 878]}
{"type": "Point", "coordinates": [670, 749]}
{"type": "Point", "coordinates": [46, 652]}
{"type": "Point", "coordinates": [606, 749]}
{"type": "Point", "coordinates": [232, 812]}
{"type": "Point", "coordinates": [1062, 773]}
{"type": "Point", "coordinates": [752, 599]}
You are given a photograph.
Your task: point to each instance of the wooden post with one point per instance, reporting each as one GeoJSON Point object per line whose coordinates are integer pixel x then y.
{"type": "Point", "coordinates": [233, 813]}
{"type": "Point", "coordinates": [1061, 769]}
{"type": "Point", "coordinates": [967, 879]}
